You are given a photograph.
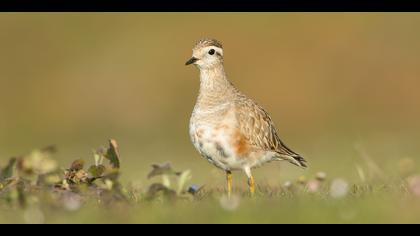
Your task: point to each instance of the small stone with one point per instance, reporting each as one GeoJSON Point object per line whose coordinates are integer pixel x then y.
{"type": "Point", "coordinates": [321, 176]}
{"type": "Point", "coordinates": [287, 184]}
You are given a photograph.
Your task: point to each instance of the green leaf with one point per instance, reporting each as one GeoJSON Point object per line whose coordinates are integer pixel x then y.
{"type": "Point", "coordinates": [162, 169]}
{"type": "Point", "coordinates": [38, 162]}
{"type": "Point", "coordinates": [183, 179]}
{"type": "Point", "coordinates": [97, 171]}
{"type": "Point", "coordinates": [113, 154]}
{"type": "Point", "coordinates": [157, 188]}
{"type": "Point", "coordinates": [8, 171]}
{"type": "Point", "coordinates": [98, 155]}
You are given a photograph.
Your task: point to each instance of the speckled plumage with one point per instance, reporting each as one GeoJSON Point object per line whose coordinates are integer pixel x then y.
{"type": "Point", "coordinates": [206, 42]}
{"type": "Point", "coordinates": [229, 129]}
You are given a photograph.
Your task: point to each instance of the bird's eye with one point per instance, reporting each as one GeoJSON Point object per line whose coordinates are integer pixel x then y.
{"type": "Point", "coordinates": [211, 52]}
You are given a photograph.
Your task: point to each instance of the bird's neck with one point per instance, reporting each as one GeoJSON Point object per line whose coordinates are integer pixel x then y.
{"type": "Point", "coordinates": [215, 89]}
{"type": "Point", "coordinates": [214, 82]}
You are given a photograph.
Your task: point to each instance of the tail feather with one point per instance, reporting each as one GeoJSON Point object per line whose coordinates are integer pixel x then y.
{"type": "Point", "coordinates": [288, 154]}
{"type": "Point", "coordinates": [301, 161]}
{"type": "Point", "coordinates": [295, 159]}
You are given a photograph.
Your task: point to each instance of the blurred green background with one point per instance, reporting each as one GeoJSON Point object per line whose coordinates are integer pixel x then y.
{"type": "Point", "coordinates": [331, 82]}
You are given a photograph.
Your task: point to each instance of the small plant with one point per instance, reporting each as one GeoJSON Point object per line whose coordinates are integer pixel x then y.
{"type": "Point", "coordinates": [165, 188]}
{"type": "Point", "coordinates": [37, 174]}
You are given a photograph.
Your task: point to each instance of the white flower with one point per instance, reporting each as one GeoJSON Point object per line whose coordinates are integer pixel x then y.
{"type": "Point", "coordinates": [339, 188]}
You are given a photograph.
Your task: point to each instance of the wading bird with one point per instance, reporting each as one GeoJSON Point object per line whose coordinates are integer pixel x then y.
{"type": "Point", "coordinates": [227, 128]}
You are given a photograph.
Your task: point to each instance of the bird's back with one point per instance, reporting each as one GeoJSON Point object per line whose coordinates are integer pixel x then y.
{"type": "Point", "coordinates": [259, 129]}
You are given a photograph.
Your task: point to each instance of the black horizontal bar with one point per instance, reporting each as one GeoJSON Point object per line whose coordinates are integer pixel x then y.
{"type": "Point", "coordinates": [207, 6]}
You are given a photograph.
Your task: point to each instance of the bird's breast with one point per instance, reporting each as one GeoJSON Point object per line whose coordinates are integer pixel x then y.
{"type": "Point", "coordinates": [216, 138]}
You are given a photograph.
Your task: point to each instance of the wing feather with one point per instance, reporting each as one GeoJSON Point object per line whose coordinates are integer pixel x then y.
{"type": "Point", "coordinates": [258, 128]}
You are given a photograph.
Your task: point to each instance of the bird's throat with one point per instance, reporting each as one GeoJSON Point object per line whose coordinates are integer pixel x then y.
{"type": "Point", "coordinates": [213, 80]}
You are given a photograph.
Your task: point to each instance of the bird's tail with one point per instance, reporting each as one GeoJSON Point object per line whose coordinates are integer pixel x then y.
{"type": "Point", "coordinates": [295, 160]}
{"type": "Point", "coordinates": [300, 161]}
{"type": "Point", "coordinates": [287, 154]}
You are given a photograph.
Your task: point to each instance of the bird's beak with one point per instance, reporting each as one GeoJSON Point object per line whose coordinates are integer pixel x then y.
{"type": "Point", "coordinates": [191, 61]}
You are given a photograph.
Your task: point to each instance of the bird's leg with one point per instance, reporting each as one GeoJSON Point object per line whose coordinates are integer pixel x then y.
{"type": "Point", "coordinates": [229, 182]}
{"type": "Point", "coordinates": [251, 182]}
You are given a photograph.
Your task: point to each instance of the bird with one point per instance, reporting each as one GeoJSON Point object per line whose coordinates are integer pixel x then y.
{"type": "Point", "coordinates": [228, 128]}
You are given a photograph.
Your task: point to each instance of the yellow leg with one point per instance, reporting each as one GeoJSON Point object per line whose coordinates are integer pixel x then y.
{"type": "Point", "coordinates": [229, 182]}
{"type": "Point", "coordinates": [251, 184]}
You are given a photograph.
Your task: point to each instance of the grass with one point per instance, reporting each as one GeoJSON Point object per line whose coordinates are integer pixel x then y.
{"type": "Point", "coordinates": [35, 190]}
{"type": "Point", "coordinates": [377, 208]}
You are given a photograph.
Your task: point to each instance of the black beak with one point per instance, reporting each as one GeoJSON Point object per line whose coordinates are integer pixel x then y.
{"type": "Point", "coordinates": [191, 61]}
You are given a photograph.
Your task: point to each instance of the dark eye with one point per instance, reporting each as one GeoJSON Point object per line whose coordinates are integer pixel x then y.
{"type": "Point", "coordinates": [211, 52]}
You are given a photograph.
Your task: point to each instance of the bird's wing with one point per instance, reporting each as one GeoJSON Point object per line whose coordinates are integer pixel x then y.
{"type": "Point", "coordinates": [258, 128]}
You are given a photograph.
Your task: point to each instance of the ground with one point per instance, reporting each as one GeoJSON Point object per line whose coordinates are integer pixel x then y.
{"type": "Point", "coordinates": [95, 195]}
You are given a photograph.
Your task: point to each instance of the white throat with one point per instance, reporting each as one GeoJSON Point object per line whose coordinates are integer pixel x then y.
{"type": "Point", "coordinates": [213, 79]}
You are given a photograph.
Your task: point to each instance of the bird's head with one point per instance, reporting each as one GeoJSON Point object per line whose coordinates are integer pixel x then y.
{"type": "Point", "coordinates": [207, 53]}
